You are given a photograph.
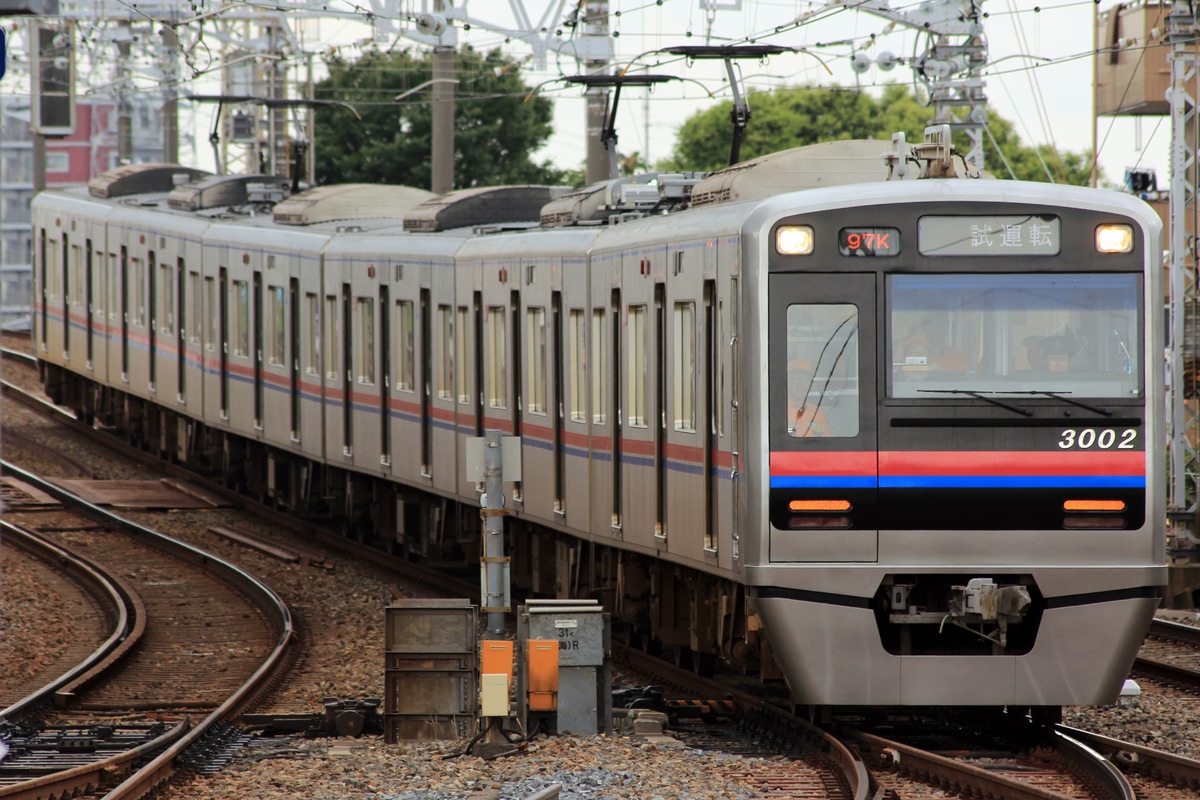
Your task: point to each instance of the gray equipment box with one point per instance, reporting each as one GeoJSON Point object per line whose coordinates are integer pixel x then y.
{"type": "Point", "coordinates": [583, 631]}
{"type": "Point", "coordinates": [432, 666]}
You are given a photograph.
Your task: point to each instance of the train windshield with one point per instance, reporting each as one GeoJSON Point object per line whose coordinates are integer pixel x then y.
{"type": "Point", "coordinates": [822, 370]}
{"type": "Point", "coordinates": [1077, 335]}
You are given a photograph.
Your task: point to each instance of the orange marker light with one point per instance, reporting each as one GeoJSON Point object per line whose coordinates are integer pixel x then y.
{"type": "Point", "coordinates": [1094, 505]}
{"type": "Point", "coordinates": [819, 505]}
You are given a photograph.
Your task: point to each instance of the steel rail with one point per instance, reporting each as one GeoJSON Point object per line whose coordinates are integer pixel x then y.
{"type": "Point", "coordinates": [161, 768]}
{"type": "Point", "coordinates": [126, 608]}
{"type": "Point", "coordinates": [847, 760]}
{"type": "Point", "coordinates": [1163, 766]}
{"type": "Point", "coordinates": [1175, 632]}
{"type": "Point", "coordinates": [344, 545]}
{"type": "Point", "coordinates": [19, 355]}
{"type": "Point", "coordinates": [91, 776]}
{"type": "Point", "coordinates": [978, 782]}
{"type": "Point", "coordinates": [1108, 778]}
{"type": "Point", "coordinates": [1173, 674]}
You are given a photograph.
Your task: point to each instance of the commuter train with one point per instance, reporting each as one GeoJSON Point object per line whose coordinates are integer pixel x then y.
{"type": "Point", "coordinates": [844, 415]}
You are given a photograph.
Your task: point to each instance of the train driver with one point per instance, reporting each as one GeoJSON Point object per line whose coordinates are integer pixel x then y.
{"type": "Point", "coordinates": [805, 417]}
{"type": "Point", "coordinates": [1054, 352]}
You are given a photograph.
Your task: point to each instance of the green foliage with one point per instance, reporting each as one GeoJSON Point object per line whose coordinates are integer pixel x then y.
{"type": "Point", "coordinates": [796, 116]}
{"type": "Point", "coordinates": [495, 129]}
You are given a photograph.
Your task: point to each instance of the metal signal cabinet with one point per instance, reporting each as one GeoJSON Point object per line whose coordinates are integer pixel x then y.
{"type": "Point", "coordinates": [431, 688]}
{"type": "Point", "coordinates": [495, 681]}
{"type": "Point", "coordinates": [582, 630]}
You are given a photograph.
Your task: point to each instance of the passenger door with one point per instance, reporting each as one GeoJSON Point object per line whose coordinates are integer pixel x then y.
{"type": "Point", "coordinates": [822, 419]}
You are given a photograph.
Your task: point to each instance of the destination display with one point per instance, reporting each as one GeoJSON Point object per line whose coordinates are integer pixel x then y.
{"type": "Point", "coordinates": [1025, 235]}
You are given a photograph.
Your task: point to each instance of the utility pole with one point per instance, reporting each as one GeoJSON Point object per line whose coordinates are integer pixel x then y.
{"type": "Point", "coordinates": [1182, 29]}
{"type": "Point", "coordinates": [170, 62]}
{"type": "Point", "coordinates": [124, 105]}
{"type": "Point", "coordinates": [595, 34]}
{"type": "Point", "coordinates": [442, 179]}
{"type": "Point", "coordinates": [277, 115]}
{"type": "Point", "coordinates": [493, 459]}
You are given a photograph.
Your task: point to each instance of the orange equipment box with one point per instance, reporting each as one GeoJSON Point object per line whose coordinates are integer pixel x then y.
{"type": "Point", "coordinates": [496, 658]}
{"type": "Point", "coordinates": [543, 675]}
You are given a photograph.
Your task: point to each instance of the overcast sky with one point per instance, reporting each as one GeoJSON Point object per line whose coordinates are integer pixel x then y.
{"type": "Point", "coordinates": [1041, 75]}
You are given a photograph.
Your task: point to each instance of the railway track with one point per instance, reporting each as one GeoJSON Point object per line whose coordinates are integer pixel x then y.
{"type": "Point", "coordinates": [1171, 656]}
{"type": "Point", "coordinates": [21, 389]}
{"type": "Point", "coordinates": [775, 780]}
{"type": "Point", "coordinates": [95, 602]}
{"type": "Point", "coordinates": [816, 763]}
{"type": "Point", "coordinates": [193, 634]}
{"type": "Point", "coordinates": [1021, 763]}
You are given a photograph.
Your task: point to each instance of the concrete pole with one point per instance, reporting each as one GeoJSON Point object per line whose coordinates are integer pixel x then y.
{"type": "Point", "coordinates": [310, 129]}
{"type": "Point", "coordinates": [596, 25]}
{"type": "Point", "coordinates": [442, 155]}
{"type": "Point", "coordinates": [170, 54]}
{"type": "Point", "coordinates": [39, 163]}
{"type": "Point", "coordinates": [124, 105]}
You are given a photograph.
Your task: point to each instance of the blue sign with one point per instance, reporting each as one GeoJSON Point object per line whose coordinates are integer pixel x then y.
{"type": "Point", "coordinates": [3, 58]}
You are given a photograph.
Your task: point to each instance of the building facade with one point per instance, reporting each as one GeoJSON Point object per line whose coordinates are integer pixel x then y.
{"type": "Point", "coordinates": [70, 161]}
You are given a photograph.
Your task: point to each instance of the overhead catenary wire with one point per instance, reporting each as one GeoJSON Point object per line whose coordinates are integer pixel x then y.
{"type": "Point", "coordinates": [755, 18]}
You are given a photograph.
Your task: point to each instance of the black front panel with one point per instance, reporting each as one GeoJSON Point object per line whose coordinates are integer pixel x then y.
{"type": "Point", "coordinates": [1003, 391]}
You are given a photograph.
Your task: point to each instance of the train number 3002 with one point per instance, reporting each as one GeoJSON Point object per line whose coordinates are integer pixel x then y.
{"type": "Point", "coordinates": [1092, 439]}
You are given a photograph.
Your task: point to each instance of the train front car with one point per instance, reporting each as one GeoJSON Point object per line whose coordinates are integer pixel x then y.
{"type": "Point", "coordinates": [959, 482]}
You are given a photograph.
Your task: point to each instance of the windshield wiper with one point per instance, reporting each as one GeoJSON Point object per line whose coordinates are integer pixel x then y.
{"type": "Point", "coordinates": [1063, 396]}
{"type": "Point", "coordinates": [980, 396]}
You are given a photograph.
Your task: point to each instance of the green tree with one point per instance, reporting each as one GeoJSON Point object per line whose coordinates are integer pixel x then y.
{"type": "Point", "coordinates": [795, 116]}
{"type": "Point", "coordinates": [495, 129]}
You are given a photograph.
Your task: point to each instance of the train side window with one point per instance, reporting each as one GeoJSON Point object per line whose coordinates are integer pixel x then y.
{"type": "Point", "coordinates": [497, 349]}
{"type": "Point", "coordinates": [211, 319]}
{"type": "Point", "coordinates": [366, 341]}
{"type": "Point", "coordinates": [578, 366]}
{"type": "Point", "coordinates": [312, 348]}
{"type": "Point", "coordinates": [114, 287]}
{"type": "Point", "coordinates": [166, 315]}
{"type": "Point", "coordinates": [330, 331]}
{"type": "Point", "coordinates": [535, 395]}
{"type": "Point", "coordinates": [406, 346]}
{"type": "Point", "coordinates": [138, 267]}
{"type": "Point", "coordinates": [683, 367]}
{"type": "Point", "coordinates": [77, 275]}
{"type": "Point", "coordinates": [241, 318]}
{"type": "Point", "coordinates": [462, 359]}
{"type": "Point", "coordinates": [599, 366]}
{"type": "Point", "coordinates": [276, 314]}
{"type": "Point", "coordinates": [635, 345]}
{"type": "Point", "coordinates": [445, 388]}
{"type": "Point", "coordinates": [822, 370]}
{"type": "Point", "coordinates": [197, 307]}
{"type": "Point", "coordinates": [53, 276]}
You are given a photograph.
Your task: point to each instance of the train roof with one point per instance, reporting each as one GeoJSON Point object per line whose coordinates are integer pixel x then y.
{"type": "Point", "coordinates": [766, 210]}
{"type": "Point", "coordinates": [811, 167]}
{"type": "Point", "coordinates": [134, 179]}
{"type": "Point", "coordinates": [481, 206]}
{"type": "Point", "coordinates": [218, 191]}
{"type": "Point", "coordinates": [349, 201]}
